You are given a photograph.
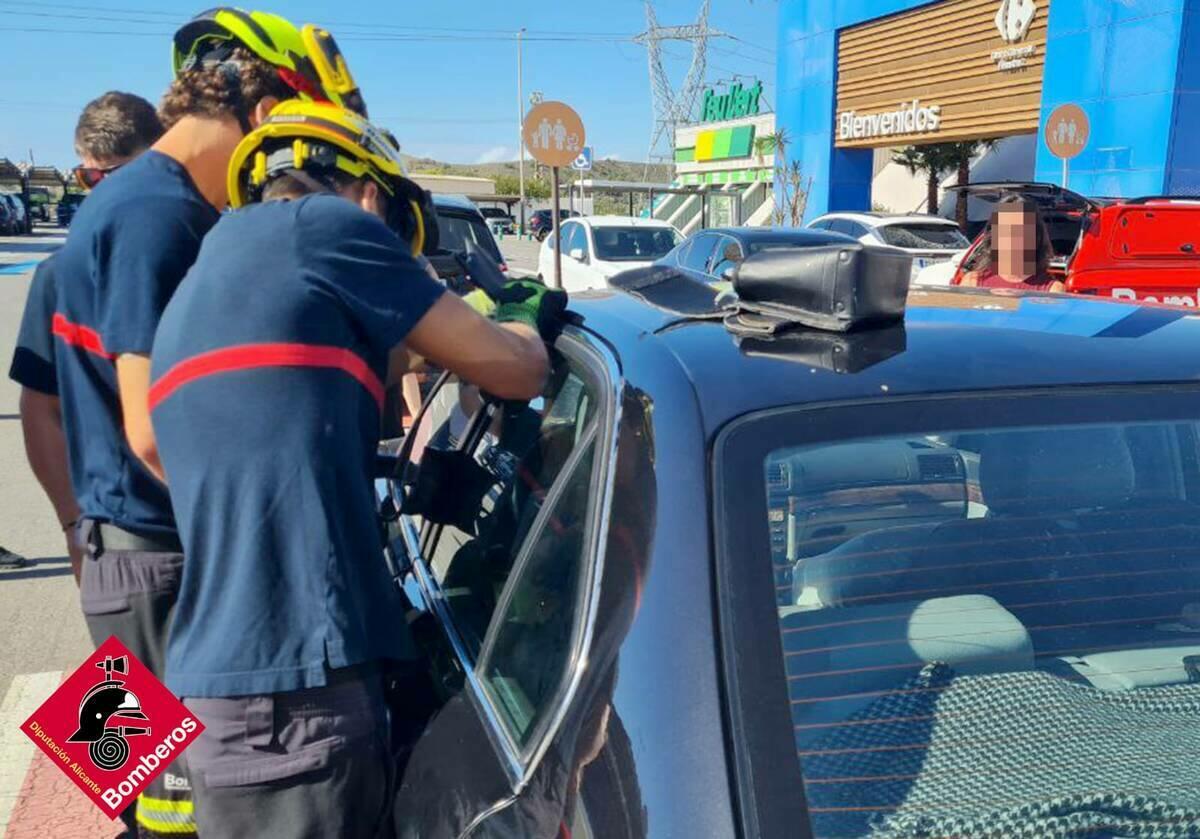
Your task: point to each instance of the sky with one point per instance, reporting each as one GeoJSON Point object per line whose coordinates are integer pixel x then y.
{"type": "Point", "coordinates": [441, 74]}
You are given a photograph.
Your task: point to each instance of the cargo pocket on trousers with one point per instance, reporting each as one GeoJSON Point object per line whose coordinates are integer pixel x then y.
{"type": "Point", "coordinates": [102, 587]}
{"type": "Point", "coordinates": [264, 768]}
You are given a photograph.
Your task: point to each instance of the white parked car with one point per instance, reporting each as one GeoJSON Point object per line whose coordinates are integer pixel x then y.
{"type": "Point", "coordinates": [595, 248]}
{"type": "Point", "coordinates": [936, 244]}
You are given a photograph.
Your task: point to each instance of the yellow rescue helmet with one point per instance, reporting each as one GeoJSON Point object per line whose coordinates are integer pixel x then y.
{"type": "Point", "coordinates": [308, 60]}
{"type": "Point", "coordinates": [321, 138]}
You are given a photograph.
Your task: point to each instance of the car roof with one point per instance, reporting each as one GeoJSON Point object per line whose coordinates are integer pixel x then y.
{"type": "Point", "coordinates": [773, 235]}
{"type": "Point", "coordinates": [621, 221]}
{"type": "Point", "coordinates": [952, 340]}
{"type": "Point", "coordinates": [884, 219]}
{"type": "Point", "coordinates": [454, 202]}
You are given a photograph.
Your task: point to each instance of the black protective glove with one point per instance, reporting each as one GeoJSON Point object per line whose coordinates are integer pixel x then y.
{"type": "Point", "coordinates": [531, 303]}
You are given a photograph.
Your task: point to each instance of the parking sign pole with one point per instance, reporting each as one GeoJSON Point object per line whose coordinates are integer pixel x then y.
{"type": "Point", "coordinates": [554, 229]}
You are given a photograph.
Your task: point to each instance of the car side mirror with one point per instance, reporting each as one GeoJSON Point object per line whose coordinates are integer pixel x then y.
{"type": "Point", "coordinates": [729, 273]}
{"type": "Point", "coordinates": [578, 255]}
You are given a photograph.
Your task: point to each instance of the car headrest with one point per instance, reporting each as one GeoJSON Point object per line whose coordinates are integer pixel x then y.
{"type": "Point", "coordinates": [1027, 472]}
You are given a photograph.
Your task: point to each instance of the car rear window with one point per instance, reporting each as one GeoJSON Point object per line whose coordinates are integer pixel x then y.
{"type": "Point", "coordinates": [993, 631]}
{"type": "Point", "coordinates": [925, 236]}
{"type": "Point", "coordinates": [455, 230]}
{"type": "Point", "coordinates": [633, 244]}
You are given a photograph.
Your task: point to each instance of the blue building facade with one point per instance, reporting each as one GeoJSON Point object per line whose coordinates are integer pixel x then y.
{"type": "Point", "coordinates": [1132, 65]}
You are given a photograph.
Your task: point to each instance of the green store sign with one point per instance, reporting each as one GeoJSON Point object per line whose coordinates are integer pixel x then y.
{"type": "Point", "coordinates": [736, 103]}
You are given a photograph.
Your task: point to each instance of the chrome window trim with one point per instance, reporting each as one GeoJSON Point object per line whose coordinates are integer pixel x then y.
{"type": "Point", "coordinates": [519, 566]}
{"type": "Point", "coordinates": [519, 765]}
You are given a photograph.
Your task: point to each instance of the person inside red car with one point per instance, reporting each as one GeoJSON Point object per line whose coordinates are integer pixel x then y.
{"type": "Point", "coordinates": [1015, 251]}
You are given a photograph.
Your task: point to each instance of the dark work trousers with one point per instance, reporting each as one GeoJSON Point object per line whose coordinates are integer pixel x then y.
{"type": "Point", "coordinates": [306, 764]}
{"type": "Point", "coordinates": [131, 594]}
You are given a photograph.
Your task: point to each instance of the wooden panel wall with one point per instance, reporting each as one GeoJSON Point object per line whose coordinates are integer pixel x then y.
{"type": "Point", "coordinates": [942, 55]}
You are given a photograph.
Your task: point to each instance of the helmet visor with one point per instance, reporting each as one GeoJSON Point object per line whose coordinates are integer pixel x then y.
{"type": "Point", "coordinates": [331, 68]}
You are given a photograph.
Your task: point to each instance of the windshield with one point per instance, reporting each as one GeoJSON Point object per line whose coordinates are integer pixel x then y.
{"type": "Point", "coordinates": [634, 244]}
{"type": "Point", "coordinates": [455, 231]}
{"type": "Point", "coordinates": [492, 212]}
{"type": "Point", "coordinates": [992, 630]}
{"type": "Point", "coordinates": [924, 236]}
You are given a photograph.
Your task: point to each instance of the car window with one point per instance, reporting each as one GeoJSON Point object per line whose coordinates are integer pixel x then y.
{"type": "Point", "coordinates": [990, 629]}
{"type": "Point", "coordinates": [529, 652]}
{"type": "Point", "coordinates": [456, 229]}
{"type": "Point", "coordinates": [728, 255]}
{"type": "Point", "coordinates": [578, 239]}
{"type": "Point", "coordinates": [850, 228]}
{"type": "Point", "coordinates": [633, 244]}
{"type": "Point", "coordinates": [565, 231]}
{"type": "Point", "coordinates": [699, 252]}
{"type": "Point", "coordinates": [506, 478]}
{"type": "Point", "coordinates": [926, 236]}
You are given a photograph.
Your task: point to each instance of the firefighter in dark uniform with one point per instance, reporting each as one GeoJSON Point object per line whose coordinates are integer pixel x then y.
{"type": "Point", "coordinates": [269, 372]}
{"type": "Point", "coordinates": [129, 246]}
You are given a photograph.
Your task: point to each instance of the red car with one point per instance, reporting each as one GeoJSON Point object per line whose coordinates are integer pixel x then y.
{"type": "Point", "coordinates": [1131, 249]}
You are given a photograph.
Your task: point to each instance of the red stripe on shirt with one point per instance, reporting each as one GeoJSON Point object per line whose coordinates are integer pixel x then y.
{"type": "Point", "coordinates": [79, 336]}
{"type": "Point", "coordinates": [251, 356]}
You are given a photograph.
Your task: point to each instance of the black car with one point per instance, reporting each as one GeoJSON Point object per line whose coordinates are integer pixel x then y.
{"type": "Point", "coordinates": [736, 576]}
{"type": "Point", "coordinates": [460, 221]}
{"type": "Point", "coordinates": [68, 206]}
{"type": "Point", "coordinates": [709, 255]}
{"type": "Point", "coordinates": [17, 215]}
{"type": "Point", "coordinates": [541, 223]}
{"type": "Point", "coordinates": [8, 217]}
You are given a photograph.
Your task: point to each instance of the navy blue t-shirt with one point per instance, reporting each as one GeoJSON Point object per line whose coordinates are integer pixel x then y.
{"type": "Point", "coordinates": [130, 244]}
{"type": "Point", "coordinates": [33, 359]}
{"type": "Point", "coordinates": [268, 382]}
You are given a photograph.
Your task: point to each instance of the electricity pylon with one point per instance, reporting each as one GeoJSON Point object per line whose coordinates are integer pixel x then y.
{"type": "Point", "coordinates": [673, 108]}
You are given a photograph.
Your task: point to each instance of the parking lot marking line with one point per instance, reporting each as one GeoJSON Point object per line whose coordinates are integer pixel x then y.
{"type": "Point", "coordinates": [18, 267]}
{"type": "Point", "coordinates": [25, 694]}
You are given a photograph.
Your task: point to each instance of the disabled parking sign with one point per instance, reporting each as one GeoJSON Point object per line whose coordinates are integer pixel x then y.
{"type": "Point", "coordinates": [583, 163]}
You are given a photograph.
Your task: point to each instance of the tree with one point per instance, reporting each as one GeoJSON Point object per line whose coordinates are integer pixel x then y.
{"type": "Point", "coordinates": [791, 187]}
{"type": "Point", "coordinates": [511, 185]}
{"type": "Point", "coordinates": [935, 160]}
{"type": "Point", "coordinates": [932, 161]}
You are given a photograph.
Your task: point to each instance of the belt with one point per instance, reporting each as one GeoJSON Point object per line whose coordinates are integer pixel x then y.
{"type": "Point", "coordinates": [109, 537]}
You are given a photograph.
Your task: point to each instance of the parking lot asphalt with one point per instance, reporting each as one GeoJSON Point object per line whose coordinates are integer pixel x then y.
{"type": "Point", "coordinates": [521, 255]}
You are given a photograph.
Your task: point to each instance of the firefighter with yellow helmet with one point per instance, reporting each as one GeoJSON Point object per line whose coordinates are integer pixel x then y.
{"type": "Point", "coordinates": [268, 376]}
{"type": "Point", "coordinates": [130, 245]}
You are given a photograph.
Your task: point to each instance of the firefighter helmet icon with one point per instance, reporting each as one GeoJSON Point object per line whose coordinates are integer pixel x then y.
{"type": "Point", "coordinates": [104, 702]}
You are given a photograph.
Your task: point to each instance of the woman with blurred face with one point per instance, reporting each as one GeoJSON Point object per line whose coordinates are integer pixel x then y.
{"type": "Point", "coordinates": [1016, 251]}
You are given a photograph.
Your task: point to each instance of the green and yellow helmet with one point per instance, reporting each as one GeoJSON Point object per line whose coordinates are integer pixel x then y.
{"type": "Point", "coordinates": [320, 139]}
{"type": "Point", "coordinates": [308, 59]}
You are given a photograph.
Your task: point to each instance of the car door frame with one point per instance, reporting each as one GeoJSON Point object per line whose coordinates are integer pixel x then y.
{"type": "Point", "coordinates": [519, 764]}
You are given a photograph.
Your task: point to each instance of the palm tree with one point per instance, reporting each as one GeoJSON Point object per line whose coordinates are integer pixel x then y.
{"type": "Point", "coordinates": [932, 161]}
{"type": "Point", "coordinates": [962, 154]}
{"type": "Point", "coordinates": [935, 160]}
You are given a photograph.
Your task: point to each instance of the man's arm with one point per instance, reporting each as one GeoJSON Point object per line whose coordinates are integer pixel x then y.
{"type": "Point", "coordinates": [46, 450]}
{"type": "Point", "coordinates": [507, 360]}
{"type": "Point", "coordinates": [133, 382]}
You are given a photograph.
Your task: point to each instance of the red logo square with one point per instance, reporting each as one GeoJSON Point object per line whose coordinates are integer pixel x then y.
{"type": "Point", "coordinates": [112, 727]}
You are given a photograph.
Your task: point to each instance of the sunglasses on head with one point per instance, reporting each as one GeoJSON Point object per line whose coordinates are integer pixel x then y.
{"type": "Point", "coordinates": [88, 176]}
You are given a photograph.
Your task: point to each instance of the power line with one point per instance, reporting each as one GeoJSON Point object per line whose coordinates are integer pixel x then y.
{"type": "Point", "coordinates": [376, 27]}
